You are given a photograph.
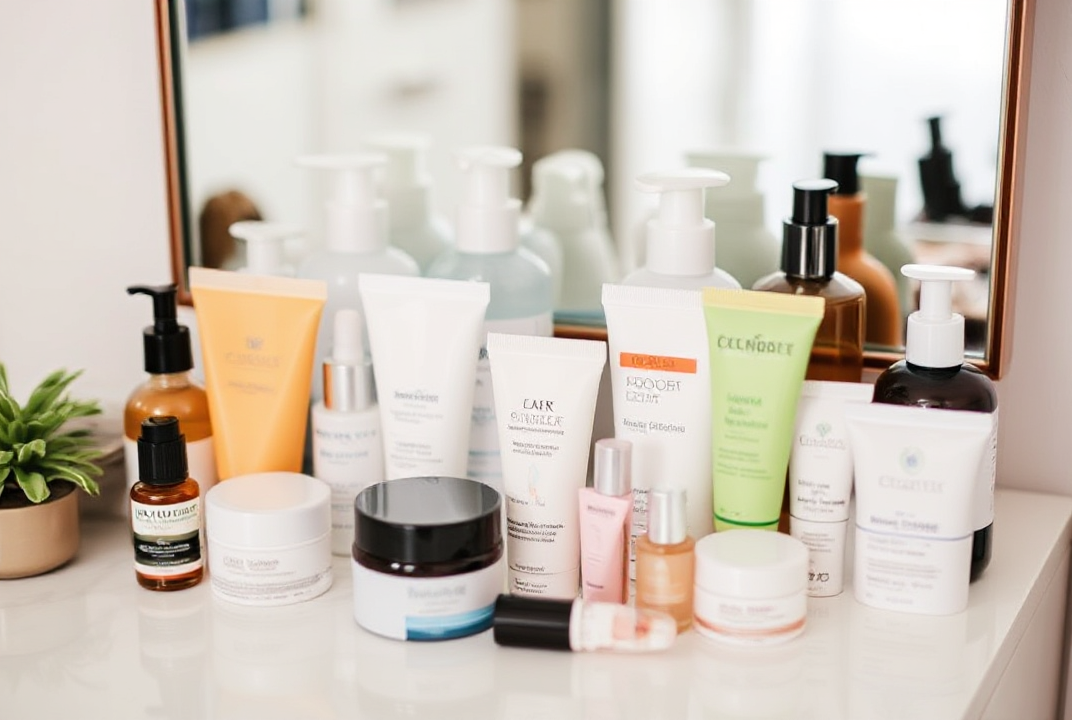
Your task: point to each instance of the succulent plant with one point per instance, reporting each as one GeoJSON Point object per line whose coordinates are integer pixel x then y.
{"type": "Point", "coordinates": [35, 449]}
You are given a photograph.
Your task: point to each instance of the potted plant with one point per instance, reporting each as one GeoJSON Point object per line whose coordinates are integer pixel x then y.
{"type": "Point", "coordinates": [43, 462]}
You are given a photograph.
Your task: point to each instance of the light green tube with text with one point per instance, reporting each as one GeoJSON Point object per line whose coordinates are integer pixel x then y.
{"type": "Point", "coordinates": [760, 344]}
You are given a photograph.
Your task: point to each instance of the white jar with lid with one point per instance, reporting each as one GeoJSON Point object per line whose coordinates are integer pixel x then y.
{"type": "Point", "coordinates": [750, 587]}
{"type": "Point", "coordinates": [269, 538]}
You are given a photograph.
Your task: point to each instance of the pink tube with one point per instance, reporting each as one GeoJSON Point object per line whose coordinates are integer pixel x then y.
{"type": "Point", "coordinates": [605, 525]}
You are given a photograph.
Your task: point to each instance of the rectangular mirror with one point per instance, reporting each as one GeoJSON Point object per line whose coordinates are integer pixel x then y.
{"type": "Point", "coordinates": [637, 83]}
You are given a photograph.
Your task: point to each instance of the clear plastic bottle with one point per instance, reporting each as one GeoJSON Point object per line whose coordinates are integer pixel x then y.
{"type": "Point", "coordinates": [413, 225]}
{"type": "Point", "coordinates": [809, 259]}
{"type": "Point", "coordinates": [680, 240]}
{"type": "Point", "coordinates": [934, 375]}
{"type": "Point", "coordinates": [487, 249]}
{"type": "Point", "coordinates": [169, 390]}
{"type": "Point", "coordinates": [355, 243]}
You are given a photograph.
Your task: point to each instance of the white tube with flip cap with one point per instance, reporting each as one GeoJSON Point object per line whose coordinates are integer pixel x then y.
{"type": "Point", "coordinates": [356, 217]}
{"type": "Point", "coordinates": [680, 240]}
{"type": "Point", "coordinates": [264, 246]}
{"type": "Point", "coordinates": [487, 216]}
{"type": "Point", "coordinates": [935, 337]}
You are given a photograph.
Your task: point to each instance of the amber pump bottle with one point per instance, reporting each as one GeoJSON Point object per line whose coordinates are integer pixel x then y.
{"type": "Point", "coordinates": [165, 510]}
{"type": "Point", "coordinates": [934, 375]}
{"type": "Point", "coordinates": [666, 558]}
{"type": "Point", "coordinates": [847, 204]}
{"type": "Point", "coordinates": [169, 389]}
{"type": "Point", "coordinates": [809, 267]}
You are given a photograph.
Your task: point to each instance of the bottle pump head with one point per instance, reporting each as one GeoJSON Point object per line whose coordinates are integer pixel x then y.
{"type": "Point", "coordinates": [487, 216]}
{"type": "Point", "coordinates": [162, 451]}
{"type": "Point", "coordinates": [809, 235]}
{"type": "Point", "coordinates": [567, 191]}
{"type": "Point", "coordinates": [166, 344]}
{"type": "Point", "coordinates": [841, 168]}
{"type": "Point", "coordinates": [741, 200]}
{"type": "Point", "coordinates": [356, 217]}
{"type": "Point", "coordinates": [407, 183]}
{"type": "Point", "coordinates": [681, 241]}
{"type": "Point", "coordinates": [264, 245]}
{"type": "Point", "coordinates": [348, 380]}
{"type": "Point", "coordinates": [935, 337]}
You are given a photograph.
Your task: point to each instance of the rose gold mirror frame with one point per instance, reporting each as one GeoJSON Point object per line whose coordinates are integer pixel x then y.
{"type": "Point", "coordinates": [1007, 204]}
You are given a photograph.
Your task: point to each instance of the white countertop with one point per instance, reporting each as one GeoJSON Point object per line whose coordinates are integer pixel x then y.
{"type": "Point", "coordinates": [86, 641]}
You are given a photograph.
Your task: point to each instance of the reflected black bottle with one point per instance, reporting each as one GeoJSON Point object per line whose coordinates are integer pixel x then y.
{"type": "Point", "coordinates": [934, 375]}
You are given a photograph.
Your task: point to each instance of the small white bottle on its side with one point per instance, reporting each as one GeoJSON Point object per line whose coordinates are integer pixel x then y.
{"type": "Point", "coordinates": [347, 446]}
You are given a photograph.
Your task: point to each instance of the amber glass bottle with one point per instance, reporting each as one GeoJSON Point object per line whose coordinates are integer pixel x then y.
{"type": "Point", "coordinates": [809, 259]}
{"type": "Point", "coordinates": [666, 559]}
{"type": "Point", "coordinates": [165, 510]}
{"type": "Point", "coordinates": [884, 324]}
{"type": "Point", "coordinates": [169, 390]}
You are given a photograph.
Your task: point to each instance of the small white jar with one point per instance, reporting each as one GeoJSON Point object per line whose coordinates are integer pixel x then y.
{"type": "Point", "coordinates": [269, 538]}
{"type": "Point", "coordinates": [751, 587]}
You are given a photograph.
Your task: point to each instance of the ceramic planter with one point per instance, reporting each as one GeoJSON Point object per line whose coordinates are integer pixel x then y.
{"type": "Point", "coordinates": [37, 538]}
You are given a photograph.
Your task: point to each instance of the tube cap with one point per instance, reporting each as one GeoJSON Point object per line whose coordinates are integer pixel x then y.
{"type": "Point", "coordinates": [264, 245]}
{"type": "Point", "coordinates": [161, 452]}
{"type": "Point", "coordinates": [841, 168]}
{"type": "Point", "coordinates": [681, 241]}
{"type": "Point", "coordinates": [668, 522]}
{"type": "Point", "coordinates": [613, 467]}
{"type": "Point", "coordinates": [532, 622]}
{"type": "Point", "coordinates": [349, 385]}
{"type": "Point", "coordinates": [487, 216]}
{"type": "Point", "coordinates": [166, 344]}
{"type": "Point", "coordinates": [809, 235]}
{"type": "Point", "coordinates": [935, 336]}
{"type": "Point", "coordinates": [356, 217]}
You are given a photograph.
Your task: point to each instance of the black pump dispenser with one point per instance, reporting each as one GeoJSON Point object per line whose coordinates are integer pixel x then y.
{"type": "Point", "coordinates": [166, 343]}
{"type": "Point", "coordinates": [809, 236]}
{"type": "Point", "coordinates": [941, 191]}
{"type": "Point", "coordinates": [162, 451]}
{"type": "Point", "coordinates": [841, 168]}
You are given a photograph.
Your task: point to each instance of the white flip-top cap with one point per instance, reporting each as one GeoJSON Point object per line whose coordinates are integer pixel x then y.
{"type": "Point", "coordinates": [407, 183]}
{"type": "Point", "coordinates": [356, 217]}
{"type": "Point", "coordinates": [487, 216]}
{"type": "Point", "coordinates": [681, 241]}
{"type": "Point", "coordinates": [935, 337]}
{"type": "Point", "coordinates": [264, 245]}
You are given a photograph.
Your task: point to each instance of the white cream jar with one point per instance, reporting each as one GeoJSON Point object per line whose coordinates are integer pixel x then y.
{"type": "Point", "coordinates": [750, 587]}
{"type": "Point", "coordinates": [269, 538]}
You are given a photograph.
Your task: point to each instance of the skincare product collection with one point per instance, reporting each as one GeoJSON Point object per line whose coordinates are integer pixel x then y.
{"type": "Point", "coordinates": [449, 432]}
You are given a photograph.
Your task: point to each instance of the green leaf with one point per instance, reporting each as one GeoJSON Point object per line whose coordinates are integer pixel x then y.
{"type": "Point", "coordinates": [33, 484]}
{"type": "Point", "coordinates": [4, 472]}
{"type": "Point", "coordinates": [31, 450]}
{"type": "Point", "coordinates": [50, 389]}
{"type": "Point", "coordinates": [3, 379]}
{"type": "Point", "coordinates": [80, 479]}
{"type": "Point", "coordinates": [17, 432]}
{"type": "Point", "coordinates": [9, 409]}
{"type": "Point", "coordinates": [5, 457]}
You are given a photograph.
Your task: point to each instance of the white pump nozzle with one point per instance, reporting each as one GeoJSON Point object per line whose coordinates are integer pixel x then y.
{"type": "Point", "coordinates": [681, 241]}
{"type": "Point", "coordinates": [264, 245]}
{"type": "Point", "coordinates": [406, 182]}
{"type": "Point", "coordinates": [741, 201]}
{"type": "Point", "coordinates": [935, 337]}
{"type": "Point", "coordinates": [567, 191]}
{"type": "Point", "coordinates": [356, 217]}
{"type": "Point", "coordinates": [488, 216]}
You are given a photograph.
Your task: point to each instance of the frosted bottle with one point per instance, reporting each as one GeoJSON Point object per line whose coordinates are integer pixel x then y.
{"type": "Point", "coordinates": [881, 238]}
{"type": "Point", "coordinates": [487, 249]}
{"type": "Point", "coordinates": [355, 242]}
{"type": "Point", "coordinates": [680, 240]}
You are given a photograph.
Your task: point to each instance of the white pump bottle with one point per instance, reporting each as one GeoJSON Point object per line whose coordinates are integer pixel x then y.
{"type": "Point", "coordinates": [413, 226]}
{"type": "Point", "coordinates": [747, 249]}
{"type": "Point", "coordinates": [934, 375]}
{"type": "Point", "coordinates": [347, 447]}
{"type": "Point", "coordinates": [567, 199]}
{"type": "Point", "coordinates": [681, 241]}
{"type": "Point", "coordinates": [487, 249]}
{"type": "Point", "coordinates": [265, 253]}
{"type": "Point", "coordinates": [355, 241]}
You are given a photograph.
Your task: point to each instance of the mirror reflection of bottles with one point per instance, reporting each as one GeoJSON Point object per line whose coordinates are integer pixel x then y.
{"type": "Point", "coordinates": [848, 204]}
{"type": "Point", "coordinates": [881, 238]}
{"type": "Point", "coordinates": [487, 249]}
{"type": "Point", "coordinates": [809, 262]}
{"type": "Point", "coordinates": [265, 248]}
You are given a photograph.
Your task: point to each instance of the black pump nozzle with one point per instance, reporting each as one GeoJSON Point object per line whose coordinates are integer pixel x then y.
{"type": "Point", "coordinates": [161, 451]}
{"type": "Point", "coordinates": [809, 236]}
{"type": "Point", "coordinates": [941, 191]}
{"type": "Point", "coordinates": [841, 167]}
{"type": "Point", "coordinates": [166, 342]}
{"type": "Point", "coordinates": [936, 132]}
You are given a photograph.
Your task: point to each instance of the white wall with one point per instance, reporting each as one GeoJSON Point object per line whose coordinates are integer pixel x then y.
{"type": "Point", "coordinates": [82, 198]}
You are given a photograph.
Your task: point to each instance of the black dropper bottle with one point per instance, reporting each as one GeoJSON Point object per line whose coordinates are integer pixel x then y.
{"type": "Point", "coordinates": [809, 267]}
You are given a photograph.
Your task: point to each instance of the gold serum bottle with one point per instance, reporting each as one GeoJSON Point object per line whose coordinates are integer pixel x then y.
{"type": "Point", "coordinates": [165, 510]}
{"type": "Point", "coordinates": [665, 558]}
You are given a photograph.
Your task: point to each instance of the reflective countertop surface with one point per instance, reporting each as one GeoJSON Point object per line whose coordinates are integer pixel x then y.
{"type": "Point", "coordinates": [86, 641]}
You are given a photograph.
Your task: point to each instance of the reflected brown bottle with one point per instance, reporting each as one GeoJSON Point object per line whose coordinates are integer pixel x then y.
{"type": "Point", "coordinates": [809, 260]}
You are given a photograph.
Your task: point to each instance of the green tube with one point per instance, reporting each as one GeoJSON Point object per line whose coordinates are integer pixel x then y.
{"type": "Point", "coordinates": [760, 343]}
